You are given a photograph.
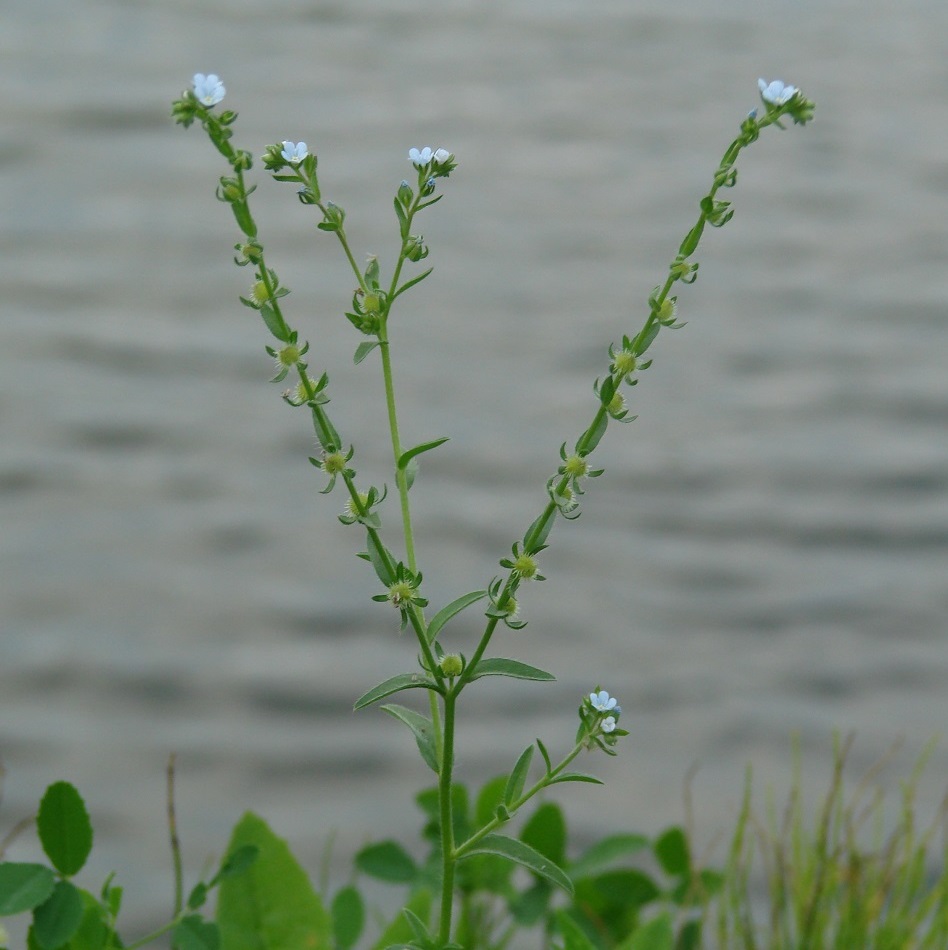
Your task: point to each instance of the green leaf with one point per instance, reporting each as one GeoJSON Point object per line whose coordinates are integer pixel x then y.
{"type": "Point", "coordinates": [412, 282]}
{"type": "Point", "coordinates": [273, 903]}
{"type": "Point", "coordinates": [488, 798]}
{"type": "Point", "coordinates": [518, 776]}
{"type": "Point", "coordinates": [402, 220]}
{"type": "Point", "coordinates": [499, 666]}
{"type": "Point", "coordinates": [546, 832]}
{"type": "Point", "coordinates": [538, 532]}
{"type": "Point", "coordinates": [690, 243]}
{"type": "Point", "coordinates": [524, 855]}
{"type": "Point", "coordinates": [592, 436]}
{"type": "Point", "coordinates": [236, 862]}
{"type": "Point", "coordinates": [23, 887]}
{"type": "Point", "coordinates": [348, 917]}
{"type": "Point", "coordinates": [657, 934]}
{"type": "Point", "coordinates": [363, 350]}
{"type": "Point", "coordinates": [606, 852]}
{"type": "Point", "coordinates": [406, 457]}
{"type": "Point", "coordinates": [411, 473]}
{"type": "Point", "coordinates": [325, 431]}
{"type": "Point", "coordinates": [645, 338]}
{"type": "Point", "coordinates": [64, 828]}
{"type": "Point", "coordinates": [195, 933]}
{"type": "Point", "coordinates": [381, 561]}
{"type": "Point", "coordinates": [395, 684]}
{"type": "Point", "coordinates": [452, 610]}
{"type": "Point", "coordinates": [546, 756]}
{"type": "Point", "coordinates": [58, 917]}
{"type": "Point", "coordinates": [422, 730]}
{"type": "Point", "coordinates": [574, 937]}
{"type": "Point", "coordinates": [577, 777]}
{"type": "Point", "coordinates": [198, 896]}
{"type": "Point", "coordinates": [627, 888]}
{"type": "Point", "coordinates": [387, 861]}
{"type": "Point", "coordinates": [93, 932]}
{"type": "Point", "coordinates": [607, 390]}
{"type": "Point", "coordinates": [244, 220]}
{"type": "Point", "coordinates": [671, 849]}
{"type": "Point", "coordinates": [399, 932]}
{"type": "Point", "coordinates": [275, 324]}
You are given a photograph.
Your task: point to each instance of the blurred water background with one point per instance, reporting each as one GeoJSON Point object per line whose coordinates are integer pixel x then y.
{"type": "Point", "coordinates": [766, 554]}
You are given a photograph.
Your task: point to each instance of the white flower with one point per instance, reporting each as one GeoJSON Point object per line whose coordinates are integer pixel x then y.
{"type": "Point", "coordinates": [441, 156]}
{"type": "Point", "coordinates": [602, 702]}
{"type": "Point", "coordinates": [294, 152]}
{"type": "Point", "coordinates": [776, 93]}
{"type": "Point", "coordinates": [608, 724]}
{"type": "Point", "coordinates": [209, 89]}
{"type": "Point", "coordinates": [420, 159]}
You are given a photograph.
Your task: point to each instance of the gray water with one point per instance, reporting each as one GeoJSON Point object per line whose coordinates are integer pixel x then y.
{"type": "Point", "coordinates": [766, 554]}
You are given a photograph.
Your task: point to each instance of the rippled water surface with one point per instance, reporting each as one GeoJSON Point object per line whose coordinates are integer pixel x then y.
{"type": "Point", "coordinates": [766, 554]}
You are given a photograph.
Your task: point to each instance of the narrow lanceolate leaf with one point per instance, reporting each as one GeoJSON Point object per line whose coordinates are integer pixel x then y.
{"type": "Point", "coordinates": [546, 756]}
{"type": "Point", "coordinates": [539, 531]}
{"type": "Point", "coordinates": [412, 282]}
{"type": "Point", "coordinates": [524, 855]}
{"type": "Point", "coordinates": [382, 561]}
{"type": "Point", "coordinates": [499, 666]}
{"type": "Point", "coordinates": [592, 436]}
{"type": "Point", "coordinates": [64, 828]}
{"type": "Point", "coordinates": [577, 777]}
{"type": "Point", "coordinates": [363, 350]}
{"type": "Point", "coordinates": [451, 610]}
{"type": "Point", "coordinates": [406, 457]}
{"type": "Point", "coordinates": [395, 685]}
{"type": "Point", "coordinates": [518, 776]}
{"type": "Point", "coordinates": [421, 729]}
{"type": "Point", "coordinates": [275, 324]}
{"type": "Point", "coordinates": [402, 221]}
{"type": "Point", "coordinates": [23, 887]}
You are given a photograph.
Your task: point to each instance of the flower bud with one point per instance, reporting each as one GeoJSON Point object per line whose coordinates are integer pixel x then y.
{"type": "Point", "coordinates": [452, 665]}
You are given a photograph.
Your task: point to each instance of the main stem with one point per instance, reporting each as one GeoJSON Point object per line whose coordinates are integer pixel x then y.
{"type": "Point", "coordinates": [448, 857]}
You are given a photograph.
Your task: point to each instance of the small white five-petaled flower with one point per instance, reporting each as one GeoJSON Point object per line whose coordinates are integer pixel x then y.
{"type": "Point", "coordinates": [608, 724]}
{"type": "Point", "coordinates": [776, 93]}
{"type": "Point", "coordinates": [423, 157]}
{"type": "Point", "coordinates": [294, 152]}
{"type": "Point", "coordinates": [602, 702]}
{"type": "Point", "coordinates": [208, 89]}
{"type": "Point", "coordinates": [420, 157]}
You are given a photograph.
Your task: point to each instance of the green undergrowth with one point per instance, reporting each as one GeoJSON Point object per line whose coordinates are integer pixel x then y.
{"type": "Point", "coordinates": [859, 870]}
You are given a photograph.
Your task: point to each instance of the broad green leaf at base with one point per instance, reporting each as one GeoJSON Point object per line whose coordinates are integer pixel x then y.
{"type": "Point", "coordinates": [271, 905]}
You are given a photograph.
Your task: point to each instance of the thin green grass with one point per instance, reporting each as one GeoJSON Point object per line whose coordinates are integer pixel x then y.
{"type": "Point", "coordinates": [841, 882]}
